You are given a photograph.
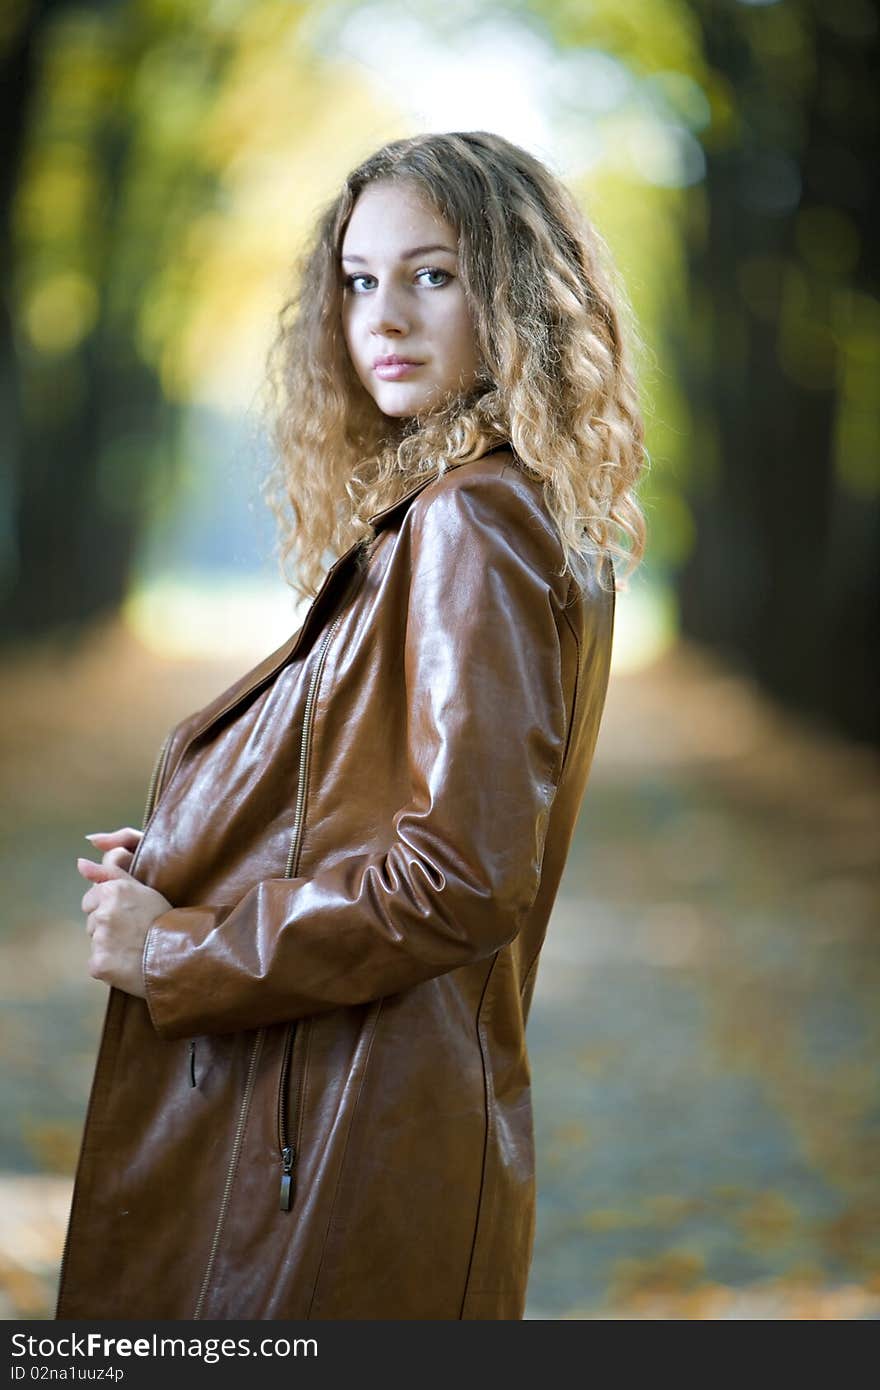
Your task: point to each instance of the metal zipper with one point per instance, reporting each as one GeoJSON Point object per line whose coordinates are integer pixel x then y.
{"type": "Point", "coordinates": [287, 1151]}
{"type": "Point", "coordinates": [233, 1163]}
{"type": "Point", "coordinates": [155, 780]}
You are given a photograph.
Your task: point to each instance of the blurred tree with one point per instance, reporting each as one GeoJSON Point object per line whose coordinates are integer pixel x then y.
{"type": "Point", "coordinates": [763, 413]}
{"type": "Point", "coordinates": [781, 353]}
{"type": "Point", "coordinates": [21, 28]}
{"type": "Point", "coordinates": [101, 180]}
{"type": "Point", "coordinates": [66, 550]}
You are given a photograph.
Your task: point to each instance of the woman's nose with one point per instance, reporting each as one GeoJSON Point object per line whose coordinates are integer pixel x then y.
{"type": "Point", "coordinates": [387, 313]}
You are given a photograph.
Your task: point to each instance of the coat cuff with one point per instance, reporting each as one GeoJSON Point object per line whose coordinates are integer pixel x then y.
{"type": "Point", "coordinates": [174, 1008]}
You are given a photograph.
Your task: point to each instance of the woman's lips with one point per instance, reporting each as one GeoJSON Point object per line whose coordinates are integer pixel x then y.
{"type": "Point", "coordinates": [393, 371]}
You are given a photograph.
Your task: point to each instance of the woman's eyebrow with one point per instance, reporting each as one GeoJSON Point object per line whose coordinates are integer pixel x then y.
{"type": "Point", "coordinates": [407, 255]}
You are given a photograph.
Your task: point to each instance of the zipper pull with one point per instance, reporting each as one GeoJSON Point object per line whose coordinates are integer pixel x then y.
{"type": "Point", "coordinates": [286, 1179]}
{"type": "Point", "coordinates": [192, 1062]}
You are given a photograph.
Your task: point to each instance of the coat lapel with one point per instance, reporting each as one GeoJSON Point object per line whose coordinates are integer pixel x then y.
{"type": "Point", "coordinates": [273, 663]}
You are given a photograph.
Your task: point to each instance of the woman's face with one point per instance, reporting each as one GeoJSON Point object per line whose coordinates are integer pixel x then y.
{"type": "Point", "coordinates": [404, 300]}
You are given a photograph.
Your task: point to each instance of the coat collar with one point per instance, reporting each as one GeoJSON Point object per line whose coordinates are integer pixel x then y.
{"type": "Point", "coordinates": [289, 649]}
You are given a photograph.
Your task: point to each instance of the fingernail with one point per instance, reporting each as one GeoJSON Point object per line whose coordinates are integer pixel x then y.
{"type": "Point", "coordinates": [92, 836]}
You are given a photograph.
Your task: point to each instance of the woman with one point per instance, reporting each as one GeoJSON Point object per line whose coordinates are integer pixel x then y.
{"type": "Point", "coordinates": [312, 1093]}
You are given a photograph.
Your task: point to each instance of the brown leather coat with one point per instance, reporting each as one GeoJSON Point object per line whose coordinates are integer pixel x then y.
{"type": "Point", "coordinates": [323, 1108]}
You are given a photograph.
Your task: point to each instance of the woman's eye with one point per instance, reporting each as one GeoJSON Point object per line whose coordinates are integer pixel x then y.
{"type": "Point", "coordinates": [350, 282]}
{"type": "Point", "coordinates": [431, 270]}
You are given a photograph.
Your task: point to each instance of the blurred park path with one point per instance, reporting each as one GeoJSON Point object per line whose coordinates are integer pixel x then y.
{"type": "Point", "coordinates": [705, 1035]}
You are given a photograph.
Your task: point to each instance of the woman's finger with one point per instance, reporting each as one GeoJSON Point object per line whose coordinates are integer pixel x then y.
{"type": "Point", "coordinates": [89, 901]}
{"type": "Point", "coordinates": [126, 838]}
{"type": "Point", "coordinates": [99, 873]}
{"type": "Point", "coordinates": [96, 873]}
{"type": "Point", "coordinates": [121, 857]}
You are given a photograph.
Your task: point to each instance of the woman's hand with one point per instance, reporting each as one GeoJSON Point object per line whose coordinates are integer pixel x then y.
{"type": "Point", "coordinates": [120, 912]}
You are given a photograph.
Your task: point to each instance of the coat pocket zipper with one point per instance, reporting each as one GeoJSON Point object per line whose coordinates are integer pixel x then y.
{"type": "Point", "coordinates": [289, 1102]}
{"type": "Point", "coordinates": [289, 1105]}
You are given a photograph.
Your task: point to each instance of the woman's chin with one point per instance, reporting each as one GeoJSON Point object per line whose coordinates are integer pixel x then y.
{"type": "Point", "coordinates": [403, 410]}
{"type": "Point", "coordinates": [402, 400]}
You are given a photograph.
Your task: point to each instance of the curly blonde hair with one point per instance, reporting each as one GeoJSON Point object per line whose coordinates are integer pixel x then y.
{"type": "Point", "coordinates": [556, 382]}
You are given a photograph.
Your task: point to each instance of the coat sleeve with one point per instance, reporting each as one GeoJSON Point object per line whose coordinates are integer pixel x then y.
{"type": "Point", "coordinates": [460, 864]}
